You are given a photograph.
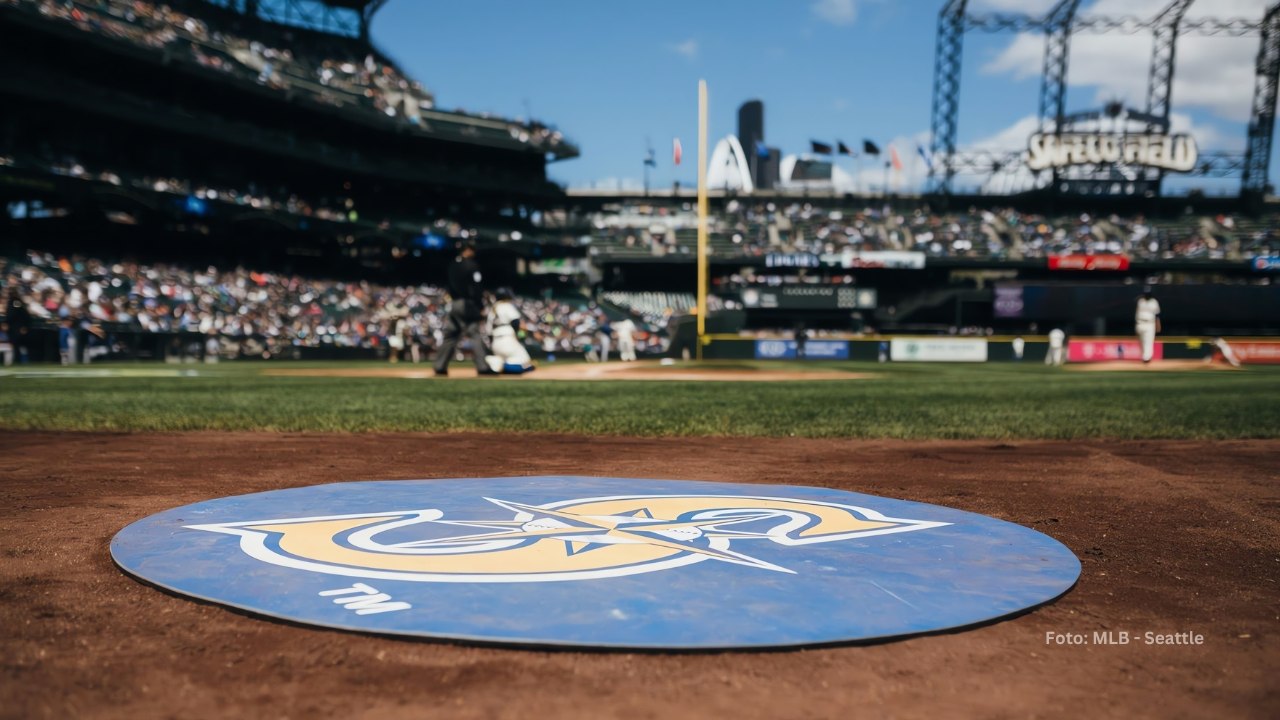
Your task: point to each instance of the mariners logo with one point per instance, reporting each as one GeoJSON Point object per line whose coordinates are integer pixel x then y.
{"type": "Point", "coordinates": [598, 562]}
{"type": "Point", "coordinates": [579, 539]}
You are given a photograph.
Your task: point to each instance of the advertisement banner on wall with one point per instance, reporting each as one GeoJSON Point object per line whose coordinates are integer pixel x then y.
{"type": "Point", "coordinates": [1266, 263]}
{"type": "Point", "coordinates": [1084, 351]}
{"type": "Point", "coordinates": [891, 259]}
{"type": "Point", "coordinates": [813, 350]}
{"type": "Point", "coordinates": [942, 349]}
{"type": "Point", "coordinates": [792, 260]}
{"type": "Point", "coordinates": [1256, 353]}
{"type": "Point", "coordinates": [1009, 302]}
{"type": "Point", "coordinates": [1088, 262]}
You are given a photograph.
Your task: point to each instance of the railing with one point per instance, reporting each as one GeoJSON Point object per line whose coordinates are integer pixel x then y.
{"type": "Point", "coordinates": [40, 345]}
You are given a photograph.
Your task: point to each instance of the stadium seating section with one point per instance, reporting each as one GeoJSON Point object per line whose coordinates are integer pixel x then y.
{"type": "Point", "coordinates": [757, 229]}
{"type": "Point", "coordinates": [326, 70]}
{"type": "Point", "coordinates": [274, 310]}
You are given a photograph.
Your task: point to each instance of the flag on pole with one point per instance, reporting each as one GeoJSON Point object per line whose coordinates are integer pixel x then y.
{"type": "Point", "coordinates": [843, 149]}
{"type": "Point", "coordinates": [924, 155]}
{"type": "Point", "coordinates": [761, 149]}
{"type": "Point", "coordinates": [649, 160]}
{"type": "Point", "coordinates": [820, 148]}
{"type": "Point", "coordinates": [893, 157]}
{"type": "Point", "coordinates": [870, 148]}
{"type": "Point", "coordinates": [677, 152]}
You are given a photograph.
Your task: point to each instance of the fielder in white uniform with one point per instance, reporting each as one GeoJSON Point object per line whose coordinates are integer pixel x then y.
{"type": "Point", "coordinates": [1227, 353]}
{"type": "Point", "coordinates": [1146, 320]}
{"type": "Point", "coordinates": [1057, 350]}
{"type": "Point", "coordinates": [509, 355]}
{"type": "Point", "coordinates": [626, 339]}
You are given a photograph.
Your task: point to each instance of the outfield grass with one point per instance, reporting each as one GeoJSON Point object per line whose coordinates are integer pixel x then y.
{"type": "Point", "coordinates": [995, 401]}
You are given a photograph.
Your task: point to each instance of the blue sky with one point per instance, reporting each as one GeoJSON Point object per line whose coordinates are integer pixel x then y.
{"type": "Point", "coordinates": [612, 75]}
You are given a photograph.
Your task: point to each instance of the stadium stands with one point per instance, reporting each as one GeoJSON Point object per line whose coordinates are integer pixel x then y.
{"type": "Point", "coordinates": [275, 311]}
{"type": "Point", "coordinates": [193, 135]}
{"type": "Point", "coordinates": [204, 133]}
{"type": "Point", "coordinates": [322, 69]}
{"type": "Point", "coordinates": [749, 229]}
{"type": "Point", "coordinates": [657, 309]}
{"type": "Point", "coordinates": [268, 198]}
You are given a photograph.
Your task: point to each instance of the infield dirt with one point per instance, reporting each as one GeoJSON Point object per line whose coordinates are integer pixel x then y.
{"type": "Point", "coordinates": [585, 371]}
{"type": "Point", "coordinates": [1174, 537]}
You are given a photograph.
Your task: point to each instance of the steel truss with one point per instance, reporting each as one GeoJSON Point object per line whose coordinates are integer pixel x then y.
{"type": "Point", "coordinates": [1058, 25]}
{"type": "Point", "coordinates": [1160, 79]}
{"type": "Point", "coordinates": [1053, 81]}
{"type": "Point", "coordinates": [946, 89]}
{"type": "Point", "coordinates": [1262, 118]}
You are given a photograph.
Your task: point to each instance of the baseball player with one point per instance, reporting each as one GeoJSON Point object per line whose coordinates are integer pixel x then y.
{"type": "Point", "coordinates": [1057, 347]}
{"type": "Point", "coordinates": [6, 346]}
{"type": "Point", "coordinates": [626, 329]}
{"type": "Point", "coordinates": [508, 353]}
{"type": "Point", "coordinates": [395, 339]}
{"type": "Point", "coordinates": [1227, 353]}
{"type": "Point", "coordinates": [1146, 320]}
{"type": "Point", "coordinates": [604, 333]}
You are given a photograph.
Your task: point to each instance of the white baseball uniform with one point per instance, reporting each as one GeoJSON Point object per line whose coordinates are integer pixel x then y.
{"type": "Point", "coordinates": [509, 354]}
{"type": "Point", "coordinates": [626, 340]}
{"type": "Point", "coordinates": [1057, 353]}
{"type": "Point", "coordinates": [1144, 320]}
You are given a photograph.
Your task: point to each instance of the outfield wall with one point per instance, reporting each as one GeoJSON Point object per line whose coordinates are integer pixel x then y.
{"type": "Point", "coordinates": [930, 348]}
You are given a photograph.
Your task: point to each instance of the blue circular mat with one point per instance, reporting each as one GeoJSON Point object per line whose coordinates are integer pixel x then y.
{"type": "Point", "coordinates": [599, 562]}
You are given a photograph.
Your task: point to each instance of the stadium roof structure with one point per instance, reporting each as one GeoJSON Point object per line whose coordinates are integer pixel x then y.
{"type": "Point", "coordinates": [1058, 24]}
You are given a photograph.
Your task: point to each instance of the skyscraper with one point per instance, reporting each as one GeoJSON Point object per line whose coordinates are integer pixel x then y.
{"type": "Point", "coordinates": [768, 168]}
{"type": "Point", "coordinates": [751, 135]}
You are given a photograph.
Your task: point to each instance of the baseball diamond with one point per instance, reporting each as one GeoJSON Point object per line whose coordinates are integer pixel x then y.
{"type": "Point", "coordinates": [374, 359]}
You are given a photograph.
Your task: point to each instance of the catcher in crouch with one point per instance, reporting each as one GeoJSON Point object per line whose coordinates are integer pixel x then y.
{"type": "Point", "coordinates": [509, 355]}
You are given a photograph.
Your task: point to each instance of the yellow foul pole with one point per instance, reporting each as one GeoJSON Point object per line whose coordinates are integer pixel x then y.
{"type": "Point", "coordinates": [702, 213]}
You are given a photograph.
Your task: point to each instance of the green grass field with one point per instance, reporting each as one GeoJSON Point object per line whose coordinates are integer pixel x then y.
{"type": "Point", "coordinates": [995, 401]}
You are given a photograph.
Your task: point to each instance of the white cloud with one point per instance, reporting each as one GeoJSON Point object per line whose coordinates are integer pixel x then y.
{"type": "Point", "coordinates": [1208, 137]}
{"type": "Point", "coordinates": [1030, 7]}
{"type": "Point", "coordinates": [687, 49]}
{"type": "Point", "coordinates": [1013, 137]}
{"type": "Point", "coordinates": [836, 12]}
{"type": "Point", "coordinates": [1214, 73]}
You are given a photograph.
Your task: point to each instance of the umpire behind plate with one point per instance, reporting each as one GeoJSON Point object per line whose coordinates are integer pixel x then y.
{"type": "Point", "coordinates": [466, 310]}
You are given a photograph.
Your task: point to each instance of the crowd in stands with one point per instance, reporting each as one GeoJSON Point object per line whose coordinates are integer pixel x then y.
{"type": "Point", "coordinates": [757, 229]}
{"type": "Point", "coordinates": [658, 309]}
{"type": "Point", "coordinates": [336, 208]}
{"type": "Point", "coordinates": [267, 310]}
{"type": "Point", "coordinates": [333, 209]}
{"type": "Point", "coordinates": [328, 69]}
